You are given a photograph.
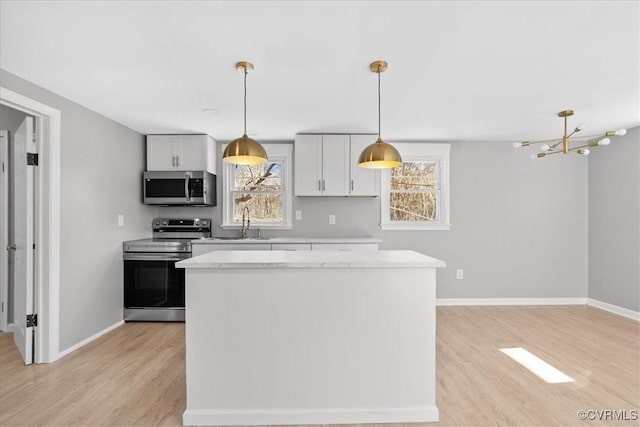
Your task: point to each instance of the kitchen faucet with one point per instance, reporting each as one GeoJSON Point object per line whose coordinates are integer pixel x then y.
{"type": "Point", "coordinates": [243, 232]}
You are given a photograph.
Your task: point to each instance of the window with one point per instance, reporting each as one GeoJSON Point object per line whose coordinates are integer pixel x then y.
{"type": "Point", "coordinates": [415, 196]}
{"type": "Point", "coordinates": [264, 189]}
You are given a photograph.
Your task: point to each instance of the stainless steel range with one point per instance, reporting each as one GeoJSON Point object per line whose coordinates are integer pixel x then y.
{"type": "Point", "coordinates": [153, 287]}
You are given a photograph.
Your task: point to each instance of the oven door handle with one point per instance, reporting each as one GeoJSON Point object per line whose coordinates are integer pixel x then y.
{"type": "Point", "coordinates": [155, 257]}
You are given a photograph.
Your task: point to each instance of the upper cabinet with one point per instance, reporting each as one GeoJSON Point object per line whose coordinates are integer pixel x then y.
{"type": "Point", "coordinates": [326, 165]}
{"type": "Point", "coordinates": [364, 182]}
{"type": "Point", "coordinates": [181, 153]}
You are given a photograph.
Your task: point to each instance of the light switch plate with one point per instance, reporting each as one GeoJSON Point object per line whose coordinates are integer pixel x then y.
{"type": "Point", "coordinates": [298, 215]}
{"type": "Point", "coordinates": [120, 220]}
{"type": "Point", "coordinates": [459, 274]}
{"type": "Point", "coordinates": [332, 219]}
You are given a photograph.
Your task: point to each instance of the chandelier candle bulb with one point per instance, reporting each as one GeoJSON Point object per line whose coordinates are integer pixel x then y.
{"type": "Point", "coordinates": [545, 147]}
{"type": "Point", "coordinates": [604, 141]}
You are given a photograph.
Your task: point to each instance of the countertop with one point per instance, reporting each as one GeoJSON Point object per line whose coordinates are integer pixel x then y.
{"type": "Point", "coordinates": [317, 240]}
{"type": "Point", "coordinates": [310, 259]}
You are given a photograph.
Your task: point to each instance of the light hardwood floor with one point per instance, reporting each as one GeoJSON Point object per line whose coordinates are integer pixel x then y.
{"type": "Point", "coordinates": [135, 374]}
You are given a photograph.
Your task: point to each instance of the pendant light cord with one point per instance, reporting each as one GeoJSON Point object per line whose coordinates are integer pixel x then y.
{"type": "Point", "coordinates": [245, 100]}
{"type": "Point", "coordinates": [378, 102]}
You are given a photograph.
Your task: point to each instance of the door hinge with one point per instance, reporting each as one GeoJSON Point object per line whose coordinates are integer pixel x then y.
{"type": "Point", "coordinates": [32, 159]}
{"type": "Point", "coordinates": [34, 246]}
{"type": "Point", "coordinates": [32, 320]}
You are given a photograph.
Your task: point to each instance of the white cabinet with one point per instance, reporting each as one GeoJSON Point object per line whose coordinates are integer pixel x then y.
{"type": "Point", "coordinates": [326, 165]}
{"type": "Point", "coordinates": [363, 182]}
{"type": "Point", "coordinates": [321, 165]}
{"type": "Point", "coordinates": [181, 153]}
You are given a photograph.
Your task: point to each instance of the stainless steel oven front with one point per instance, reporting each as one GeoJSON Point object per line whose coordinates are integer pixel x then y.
{"type": "Point", "coordinates": [153, 286]}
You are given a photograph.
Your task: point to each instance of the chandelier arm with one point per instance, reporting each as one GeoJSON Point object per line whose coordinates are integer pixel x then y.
{"type": "Point", "coordinates": [548, 153]}
{"type": "Point", "coordinates": [544, 140]}
{"type": "Point", "coordinates": [590, 145]}
{"type": "Point", "coordinates": [556, 144]}
{"type": "Point", "coordinates": [595, 135]}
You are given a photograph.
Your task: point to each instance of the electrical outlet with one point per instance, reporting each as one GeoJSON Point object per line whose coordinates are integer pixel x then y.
{"type": "Point", "coordinates": [298, 215]}
{"type": "Point", "coordinates": [332, 219]}
{"type": "Point", "coordinates": [120, 220]}
{"type": "Point", "coordinates": [459, 274]}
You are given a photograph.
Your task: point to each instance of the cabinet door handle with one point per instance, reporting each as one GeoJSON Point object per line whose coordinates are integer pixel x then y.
{"type": "Point", "coordinates": [323, 185]}
{"type": "Point", "coordinates": [173, 161]}
{"type": "Point", "coordinates": [319, 185]}
{"type": "Point", "coordinates": [177, 160]}
{"type": "Point", "coordinates": [351, 185]}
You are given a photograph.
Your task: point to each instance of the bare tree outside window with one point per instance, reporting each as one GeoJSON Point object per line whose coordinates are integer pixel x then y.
{"type": "Point", "coordinates": [260, 188]}
{"type": "Point", "coordinates": [414, 191]}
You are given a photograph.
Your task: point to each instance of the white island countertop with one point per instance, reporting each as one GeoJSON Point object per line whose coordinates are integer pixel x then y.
{"type": "Point", "coordinates": [311, 259]}
{"type": "Point", "coordinates": [249, 241]}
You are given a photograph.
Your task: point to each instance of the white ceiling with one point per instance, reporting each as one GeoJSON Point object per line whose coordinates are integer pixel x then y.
{"type": "Point", "coordinates": [458, 70]}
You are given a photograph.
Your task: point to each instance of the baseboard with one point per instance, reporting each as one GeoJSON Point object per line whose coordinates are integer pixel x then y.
{"type": "Point", "coordinates": [10, 327]}
{"type": "Point", "coordinates": [510, 301]}
{"type": "Point", "coordinates": [88, 340]}
{"type": "Point", "coordinates": [198, 417]}
{"type": "Point", "coordinates": [621, 311]}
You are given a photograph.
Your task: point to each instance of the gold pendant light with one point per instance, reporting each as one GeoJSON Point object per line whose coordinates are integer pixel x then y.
{"type": "Point", "coordinates": [563, 145]}
{"type": "Point", "coordinates": [244, 150]}
{"type": "Point", "coordinates": [379, 155]}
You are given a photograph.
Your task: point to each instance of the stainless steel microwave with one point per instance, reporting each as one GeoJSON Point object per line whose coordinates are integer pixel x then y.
{"type": "Point", "coordinates": [195, 188]}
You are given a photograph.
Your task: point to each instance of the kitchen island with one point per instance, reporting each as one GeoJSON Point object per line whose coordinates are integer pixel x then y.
{"type": "Point", "coordinates": [310, 337]}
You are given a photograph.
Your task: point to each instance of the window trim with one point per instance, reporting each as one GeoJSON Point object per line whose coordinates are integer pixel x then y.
{"type": "Point", "coordinates": [277, 152]}
{"type": "Point", "coordinates": [420, 151]}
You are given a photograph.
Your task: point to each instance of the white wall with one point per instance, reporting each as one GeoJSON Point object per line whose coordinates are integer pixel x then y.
{"type": "Point", "coordinates": [101, 166]}
{"type": "Point", "coordinates": [519, 225]}
{"type": "Point", "coordinates": [614, 222]}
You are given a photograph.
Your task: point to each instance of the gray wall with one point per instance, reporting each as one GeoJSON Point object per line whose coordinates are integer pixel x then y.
{"type": "Point", "coordinates": [101, 163]}
{"type": "Point", "coordinates": [614, 222]}
{"type": "Point", "coordinates": [10, 119]}
{"type": "Point", "coordinates": [519, 225]}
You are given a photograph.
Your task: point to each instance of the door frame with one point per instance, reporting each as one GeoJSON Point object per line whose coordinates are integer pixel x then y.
{"type": "Point", "coordinates": [47, 222]}
{"type": "Point", "coordinates": [4, 230]}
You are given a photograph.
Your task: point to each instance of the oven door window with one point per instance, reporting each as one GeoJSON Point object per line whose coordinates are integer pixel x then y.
{"type": "Point", "coordinates": [153, 284]}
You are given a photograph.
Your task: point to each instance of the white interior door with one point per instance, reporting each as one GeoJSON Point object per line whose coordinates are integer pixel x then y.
{"type": "Point", "coordinates": [23, 220]}
{"type": "Point", "coordinates": [4, 228]}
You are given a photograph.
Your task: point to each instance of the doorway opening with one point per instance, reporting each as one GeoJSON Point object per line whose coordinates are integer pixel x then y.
{"type": "Point", "coordinates": [45, 246]}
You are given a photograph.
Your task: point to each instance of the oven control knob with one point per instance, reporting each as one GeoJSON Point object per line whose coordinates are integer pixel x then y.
{"type": "Point", "coordinates": [157, 222]}
{"type": "Point", "coordinates": [164, 222]}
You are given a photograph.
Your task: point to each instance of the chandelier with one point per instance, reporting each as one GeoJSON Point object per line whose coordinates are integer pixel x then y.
{"type": "Point", "coordinates": [563, 145]}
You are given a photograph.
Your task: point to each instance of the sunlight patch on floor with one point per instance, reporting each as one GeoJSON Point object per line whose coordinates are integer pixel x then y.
{"type": "Point", "coordinates": [536, 365]}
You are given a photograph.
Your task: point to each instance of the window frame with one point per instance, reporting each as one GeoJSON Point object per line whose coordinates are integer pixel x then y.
{"type": "Point", "coordinates": [276, 152]}
{"type": "Point", "coordinates": [421, 152]}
